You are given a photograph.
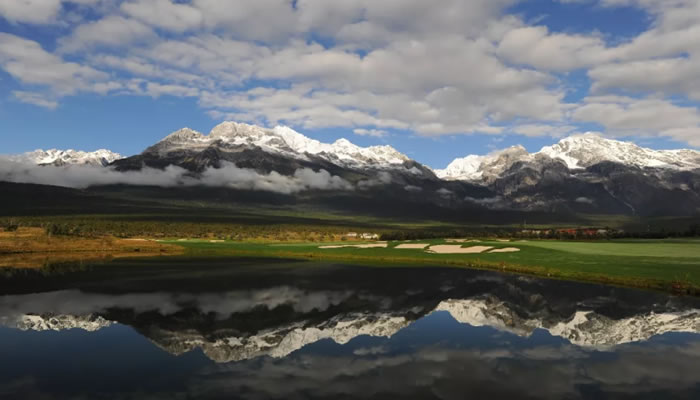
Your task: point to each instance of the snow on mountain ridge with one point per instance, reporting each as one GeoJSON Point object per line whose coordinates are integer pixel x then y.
{"type": "Point", "coordinates": [282, 140]}
{"type": "Point", "coordinates": [475, 168]}
{"type": "Point", "coordinates": [99, 157]}
{"type": "Point", "coordinates": [581, 151]}
{"type": "Point", "coordinates": [577, 152]}
{"type": "Point", "coordinates": [584, 328]}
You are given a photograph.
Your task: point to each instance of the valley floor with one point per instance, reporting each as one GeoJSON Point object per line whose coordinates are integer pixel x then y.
{"type": "Point", "coordinates": [670, 265]}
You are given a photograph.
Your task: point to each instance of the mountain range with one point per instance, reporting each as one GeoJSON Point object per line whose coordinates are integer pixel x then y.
{"type": "Point", "coordinates": [581, 174]}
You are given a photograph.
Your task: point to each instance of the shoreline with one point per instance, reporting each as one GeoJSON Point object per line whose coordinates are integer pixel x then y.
{"type": "Point", "coordinates": [533, 271]}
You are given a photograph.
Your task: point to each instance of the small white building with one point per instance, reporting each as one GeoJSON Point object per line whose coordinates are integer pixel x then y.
{"type": "Point", "coordinates": [369, 236]}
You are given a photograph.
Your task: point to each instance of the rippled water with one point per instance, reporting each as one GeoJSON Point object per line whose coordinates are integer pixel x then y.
{"type": "Point", "coordinates": [262, 330]}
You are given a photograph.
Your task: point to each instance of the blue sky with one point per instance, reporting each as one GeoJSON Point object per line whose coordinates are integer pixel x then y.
{"type": "Point", "coordinates": [435, 82]}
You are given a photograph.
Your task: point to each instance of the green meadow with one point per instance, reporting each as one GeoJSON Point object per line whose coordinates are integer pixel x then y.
{"type": "Point", "coordinates": [672, 265]}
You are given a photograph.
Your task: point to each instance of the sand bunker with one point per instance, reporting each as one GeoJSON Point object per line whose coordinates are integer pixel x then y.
{"type": "Point", "coordinates": [216, 241]}
{"type": "Point", "coordinates": [357, 246]}
{"type": "Point", "coordinates": [503, 240]}
{"type": "Point", "coordinates": [505, 250]}
{"type": "Point", "coordinates": [412, 246]}
{"type": "Point", "coordinates": [457, 249]}
{"type": "Point", "coordinates": [462, 240]}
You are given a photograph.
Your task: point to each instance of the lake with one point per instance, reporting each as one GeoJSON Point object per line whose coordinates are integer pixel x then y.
{"type": "Point", "coordinates": [176, 328]}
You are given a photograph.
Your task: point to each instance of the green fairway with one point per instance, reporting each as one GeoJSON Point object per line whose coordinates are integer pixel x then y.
{"type": "Point", "coordinates": [630, 248]}
{"type": "Point", "coordinates": [659, 264]}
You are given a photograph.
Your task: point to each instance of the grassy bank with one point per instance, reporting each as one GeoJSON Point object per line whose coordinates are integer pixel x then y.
{"type": "Point", "coordinates": [670, 265]}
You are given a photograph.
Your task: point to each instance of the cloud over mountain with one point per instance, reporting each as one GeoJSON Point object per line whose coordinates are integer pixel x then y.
{"type": "Point", "coordinates": [82, 176]}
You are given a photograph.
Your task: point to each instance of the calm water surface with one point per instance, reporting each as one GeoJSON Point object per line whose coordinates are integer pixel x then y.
{"type": "Point", "coordinates": [258, 329]}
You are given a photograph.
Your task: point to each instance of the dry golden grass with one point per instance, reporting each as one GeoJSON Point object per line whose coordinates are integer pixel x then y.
{"type": "Point", "coordinates": [32, 247]}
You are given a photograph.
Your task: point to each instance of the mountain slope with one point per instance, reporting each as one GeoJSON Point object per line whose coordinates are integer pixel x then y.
{"type": "Point", "coordinates": [586, 174]}
{"type": "Point", "coordinates": [231, 138]}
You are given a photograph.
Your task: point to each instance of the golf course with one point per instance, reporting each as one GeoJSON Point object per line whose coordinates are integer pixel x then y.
{"type": "Point", "coordinates": [670, 264]}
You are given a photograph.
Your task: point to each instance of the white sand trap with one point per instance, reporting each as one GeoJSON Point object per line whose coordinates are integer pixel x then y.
{"type": "Point", "coordinates": [503, 240]}
{"type": "Point", "coordinates": [412, 246]}
{"type": "Point", "coordinates": [357, 246]}
{"type": "Point", "coordinates": [462, 241]}
{"type": "Point", "coordinates": [216, 241]}
{"type": "Point", "coordinates": [457, 249]}
{"type": "Point", "coordinates": [505, 250]}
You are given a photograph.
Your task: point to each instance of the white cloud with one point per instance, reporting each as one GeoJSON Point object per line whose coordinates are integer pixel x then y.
{"type": "Point", "coordinates": [460, 68]}
{"type": "Point", "coordinates": [665, 76]}
{"type": "Point", "coordinates": [536, 46]}
{"type": "Point", "coordinates": [30, 11]}
{"type": "Point", "coordinates": [642, 117]}
{"type": "Point", "coordinates": [29, 63]}
{"type": "Point", "coordinates": [535, 130]}
{"type": "Point", "coordinates": [82, 176]}
{"type": "Point", "coordinates": [165, 14]}
{"type": "Point", "coordinates": [370, 132]}
{"type": "Point", "coordinates": [37, 99]}
{"type": "Point", "coordinates": [113, 31]}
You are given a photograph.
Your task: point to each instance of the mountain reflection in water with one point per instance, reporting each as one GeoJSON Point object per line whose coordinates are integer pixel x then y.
{"type": "Point", "coordinates": [254, 329]}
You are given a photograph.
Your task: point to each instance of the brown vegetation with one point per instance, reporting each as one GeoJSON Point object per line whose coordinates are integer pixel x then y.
{"type": "Point", "coordinates": [34, 247]}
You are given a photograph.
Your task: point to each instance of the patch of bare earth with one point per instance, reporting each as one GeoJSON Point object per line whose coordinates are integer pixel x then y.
{"type": "Point", "coordinates": [505, 250]}
{"type": "Point", "coordinates": [412, 246]}
{"type": "Point", "coordinates": [357, 246]}
{"type": "Point", "coordinates": [457, 249]}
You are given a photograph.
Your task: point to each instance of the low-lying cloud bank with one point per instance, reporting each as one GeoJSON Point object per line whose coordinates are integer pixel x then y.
{"type": "Point", "coordinates": [229, 175]}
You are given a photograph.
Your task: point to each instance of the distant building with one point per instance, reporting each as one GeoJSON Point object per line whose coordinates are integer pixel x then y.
{"type": "Point", "coordinates": [370, 236]}
{"type": "Point", "coordinates": [352, 234]}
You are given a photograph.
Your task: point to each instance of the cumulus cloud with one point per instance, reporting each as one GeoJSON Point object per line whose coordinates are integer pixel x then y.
{"type": "Point", "coordinates": [382, 178]}
{"type": "Point", "coordinates": [37, 99]}
{"type": "Point", "coordinates": [370, 66]}
{"type": "Point", "coordinates": [164, 14]}
{"type": "Point", "coordinates": [626, 116]}
{"type": "Point", "coordinates": [109, 31]}
{"type": "Point", "coordinates": [370, 132]}
{"type": "Point", "coordinates": [82, 176]}
{"type": "Point", "coordinates": [30, 11]}
{"type": "Point", "coordinates": [29, 63]}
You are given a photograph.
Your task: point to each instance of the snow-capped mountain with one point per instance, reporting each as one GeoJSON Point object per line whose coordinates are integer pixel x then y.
{"type": "Point", "coordinates": [584, 328]}
{"type": "Point", "coordinates": [576, 152]}
{"type": "Point", "coordinates": [60, 322]}
{"type": "Point", "coordinates": [281, 341]}
{"type": "Point", "coordinates": [581, 174]}
{"type": "Point", "coordinates": [581, 151]}
{"type": "Point", "coordinates": [479, 168]}
{"type": "Point", "coordinates": [101, 157]}
{"type": "Point", "coordinates": [280, 140]}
